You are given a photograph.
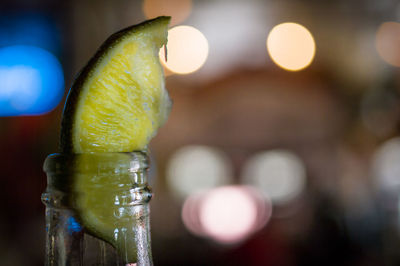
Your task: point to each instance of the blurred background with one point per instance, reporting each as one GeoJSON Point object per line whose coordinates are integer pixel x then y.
{"type": "Point", "coordinates": [282, 147]}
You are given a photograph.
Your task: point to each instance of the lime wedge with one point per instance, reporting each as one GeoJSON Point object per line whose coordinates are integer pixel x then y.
{"type": "Point", "coordinates": [116, 104]}
{"type": "Point", "coordinates": [118, 101]}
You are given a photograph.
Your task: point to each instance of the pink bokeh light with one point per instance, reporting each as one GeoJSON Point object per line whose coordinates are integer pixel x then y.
{"type": "Point", "coordinates": [227, 214]}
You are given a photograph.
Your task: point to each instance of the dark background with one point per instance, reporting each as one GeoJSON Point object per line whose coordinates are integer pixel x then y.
{"type": "Point", "coordinates": [339, 116]}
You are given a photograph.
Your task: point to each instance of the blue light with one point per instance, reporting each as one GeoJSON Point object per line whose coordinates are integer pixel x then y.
{"type": "Point", "coordinates": [33, 29]}
{"type": "Point", "coordinates": [31, 81]}
{"type": "Point", "coordinates": [73, 226]}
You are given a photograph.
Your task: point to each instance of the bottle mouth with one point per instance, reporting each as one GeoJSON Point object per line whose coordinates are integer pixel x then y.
{"type": "Point", "coordinates": [133, 197]}
{"type": "Point", "coordinates": [122, 175]}
{"type": "Point", "coordinates": [110, 162]}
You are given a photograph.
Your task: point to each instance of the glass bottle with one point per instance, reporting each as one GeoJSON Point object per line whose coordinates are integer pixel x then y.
{"type": "Point", "coordinates": [97, 209]}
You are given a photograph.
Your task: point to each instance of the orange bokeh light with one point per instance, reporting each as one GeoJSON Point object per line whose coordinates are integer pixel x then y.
{"type": "Point", "coordinates": [388, 43]}
{"type": "Point", "coordinates": [291, 46]}
{"type": "Point", "coordinates": [187, 50]}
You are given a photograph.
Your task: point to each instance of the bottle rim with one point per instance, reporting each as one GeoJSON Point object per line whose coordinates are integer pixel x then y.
{"type": "Point", "coordinates": [108, 162]}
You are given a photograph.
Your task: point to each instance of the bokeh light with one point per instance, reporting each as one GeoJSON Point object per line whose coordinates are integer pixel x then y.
{"type": "Point", "coordinates": [279, 174]}
{"type": "Point", "coordinates": [31, 81]}
{"type": "Point", "coordinates": [291, 46]}
{"type": "Point", "coordinates": [386, 166]}
{"type": "Point", "coordinates": [190, 213]}
{"type": "Point", "coordinates": [179, 10]}
{"type": "Point", "coordinates": [187, 50]}
{"type": "Point", "coordinates": [227, 214]}
{"type": "Point", "coordinates": [33, 29]}
{"type": "Point", "coordinates": [195, 168]}
{"type": "Point", "coordinates": [388, 42]}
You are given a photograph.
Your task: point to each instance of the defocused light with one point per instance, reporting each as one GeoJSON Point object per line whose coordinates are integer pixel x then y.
{"type": "Point", "coordinates": [190, 213]}
{"type": "Point", "coordinates": [264, 206]}
{"type": "Point", "coordinates": [388, 42]}
{"type": "Point", "coordinates": [279, 174]}
{"type": "Point", "coordinates": [386, 166]}
{"type": "Point", "coordinates": [291, 46]}
{"type": "Point", "coordinates": [187, 50]}
{"type": "Point", "coordinates": [31, 29]}
{"type": "Point", "coordinates": [226, 214]}
{"type": "Point", "coordinates": [31, 81]}
{"type": "Point", "coordinates": [179, 10]}
{"type": "Point", "coordinates": [229, 214]}
{"type": "Point", "coordinates": [195, 168]}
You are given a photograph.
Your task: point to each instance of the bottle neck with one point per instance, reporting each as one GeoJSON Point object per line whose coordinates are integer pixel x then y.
{"type": "Point", "coordinates": [100, 195]}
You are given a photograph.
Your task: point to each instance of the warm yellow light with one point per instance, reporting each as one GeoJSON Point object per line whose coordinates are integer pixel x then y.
{"type": "Point", "coordinates": [291, 46]}
{"type": "Point", "coordinates": [179, 10]}
{"type": "Point", "coordinates": [187, 50]}
{"type": "Point", "coordinates": [388, 42]}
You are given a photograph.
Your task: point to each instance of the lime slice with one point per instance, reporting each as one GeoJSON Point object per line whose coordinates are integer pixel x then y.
{"type": "Point", "coordinates": [118, 101]}
{"type": "Point", "coordinates": [116, 104]}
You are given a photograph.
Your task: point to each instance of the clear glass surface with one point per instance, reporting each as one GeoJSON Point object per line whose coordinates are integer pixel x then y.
{"type": "Point", "coordinates": [82, 184]}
